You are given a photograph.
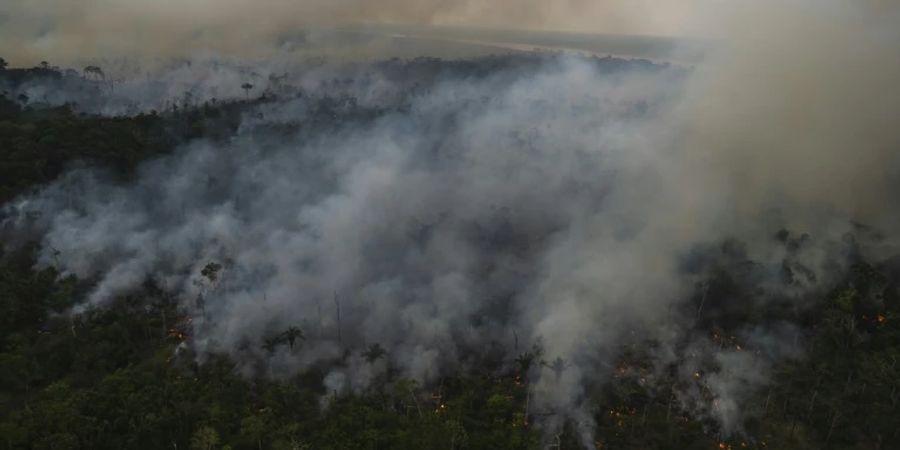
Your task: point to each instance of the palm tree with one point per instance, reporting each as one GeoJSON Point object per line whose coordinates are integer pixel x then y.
{"type": "Point", "coordinates": [246, 87]}
{"type": "Point", "coordinates": [269, 344]}
{"type": "Point", "coordinates": [558, 366]}
{"type": "Point", "coordinates": [374, 352]}
{"type": "Point", "coordinates": [292, 334]}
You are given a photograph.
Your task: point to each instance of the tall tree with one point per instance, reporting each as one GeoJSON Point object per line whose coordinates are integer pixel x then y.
{"type": "Point", "coordinates": [246, 87]}
{"type": "Point", "coordinates": [205, 438]}
{"type": "Point", "coordinates": [292, 334]}
{"type": "Point", "coordinates": [374, 353]}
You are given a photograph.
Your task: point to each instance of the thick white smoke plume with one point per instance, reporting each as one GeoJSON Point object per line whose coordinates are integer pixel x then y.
{"type": "Point", "coordinates": [570, 205]}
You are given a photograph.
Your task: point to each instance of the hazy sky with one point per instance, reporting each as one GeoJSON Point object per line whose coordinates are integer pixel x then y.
{"type": "Point", "coordinates": [70, 30]}
{"type": "Point", "coordinates": [58, 30]}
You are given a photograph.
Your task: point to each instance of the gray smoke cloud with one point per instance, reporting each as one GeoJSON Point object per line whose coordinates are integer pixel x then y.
{"type": "Point", "coordinates": [561, 206]}
{"type": "Point", "coordinates": [68, 31]}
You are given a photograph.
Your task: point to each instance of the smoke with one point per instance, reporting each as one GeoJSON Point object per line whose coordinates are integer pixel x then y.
{"type": "Point", "coordinates": [568, 204]}
{"type": "Point", "coordinates": [66, 32]}
{"type": "Point", "coordinates": [814, 104]}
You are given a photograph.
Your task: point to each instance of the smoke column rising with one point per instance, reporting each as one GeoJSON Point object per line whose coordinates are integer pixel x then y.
{"type": "Point", "coordinates": [558, 205]}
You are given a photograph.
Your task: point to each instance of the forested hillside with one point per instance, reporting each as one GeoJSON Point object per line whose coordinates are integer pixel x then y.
{"type": "Point", "coordinates": [80, 370]}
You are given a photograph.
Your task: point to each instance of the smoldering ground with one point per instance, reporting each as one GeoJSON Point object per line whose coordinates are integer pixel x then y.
{"type": "Point", "coordinates": [583, 208]}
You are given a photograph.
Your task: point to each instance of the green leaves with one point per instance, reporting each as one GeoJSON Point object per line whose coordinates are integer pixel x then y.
{"type": "Point", "coordinates": [211, 271]}
{"type": "Point", "coordinates": [373, 353]}
{"type": "Point", "coordinates": [205, 438]}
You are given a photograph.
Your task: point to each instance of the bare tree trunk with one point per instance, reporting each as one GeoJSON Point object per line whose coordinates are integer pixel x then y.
{"type": "Point", "coordinates": [558, 441]}
{"type": "Point", "coordinates": [831, 427]}
{"type": "Point", "coordinates": [416, 401]}
{"type": "Point", "coordinates": [793, 427]}
{"type": "Point", "coordinates": [669, 407]}
{"type": "Point", "coordinates": [319, 314]}
{"type": "Point", "coordinates": [703, 298]}
{"type": "Point", "coordinates": [337, 304]}
{"type": "Point", "coordinates": [515, 342]}
{"type": "Point", "coordinates": [644, 416]}
{"type": "Point", "coordinates": [812, 403]}
{"type": "Point", "coordinates": [527, 401]}
{"type": "Point", "coordinates": [894, 397]}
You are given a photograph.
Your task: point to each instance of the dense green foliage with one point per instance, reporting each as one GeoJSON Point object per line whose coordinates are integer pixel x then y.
{"type": "Point", "coordinates": [113, 378]}
{"type": "Point", "coordinates": [39, 143]}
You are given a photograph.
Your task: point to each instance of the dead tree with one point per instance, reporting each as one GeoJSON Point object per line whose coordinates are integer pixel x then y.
{"type": "Point", "coordinates": [834, 420]}
{"type": "Point", "coordinates": [337, 305]}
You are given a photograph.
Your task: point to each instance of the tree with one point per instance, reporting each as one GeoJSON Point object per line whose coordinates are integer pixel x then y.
{"type": "Point", "coordinates": [211, 271]}
{"type": "Point", "coordinates": [246, 87]}
{"type": "Point", "coordinates": [270, 343]}
{"type": "Point", "coordinates": [558, 366]}
{"type": "Point", "coordinates": [374, 352]}
{"type": "Point", "coordinates": [288, 336]}
{"type": "Point", "coordinates": [337, 305]}
{"type": "Point", "coordinates": [205, 438]}
{"type": "Point", "coordinates": [254, 428]}
{"type": "Point", "coordinates": [526, 360]}
{"type": "Point", "coordinates": [292, 334]}
{"type": "Point", "coordinates": [3, 64]}
{"type": "Point", "coordinates": [94, 72]}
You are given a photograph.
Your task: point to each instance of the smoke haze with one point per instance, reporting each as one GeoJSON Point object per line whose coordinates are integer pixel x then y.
{"type": "Point", "coordinates": [88, 30]}
{"type": "Point", "coordinates": [568, 205]}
